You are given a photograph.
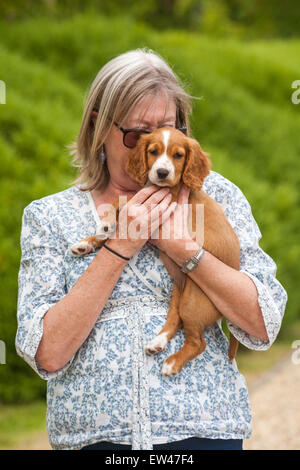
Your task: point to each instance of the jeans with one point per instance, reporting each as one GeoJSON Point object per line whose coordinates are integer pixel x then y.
{"type": "Point", "coordinates": [193, 443]}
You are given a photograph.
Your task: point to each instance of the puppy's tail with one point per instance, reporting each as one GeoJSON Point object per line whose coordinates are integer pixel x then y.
{"type": "Point", "coordinates": [233, 346]}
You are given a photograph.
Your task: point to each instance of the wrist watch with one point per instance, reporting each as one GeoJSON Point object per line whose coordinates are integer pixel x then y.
{"type": "Point", "coordinates": [191, 263]}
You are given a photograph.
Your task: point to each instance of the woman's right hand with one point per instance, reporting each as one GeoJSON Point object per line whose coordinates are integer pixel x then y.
{"type": "Point", "coordinates": [140, 217]}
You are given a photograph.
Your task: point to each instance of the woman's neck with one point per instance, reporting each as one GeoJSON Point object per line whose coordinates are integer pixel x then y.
{"type": "Point", "coordinates": [112, 192]}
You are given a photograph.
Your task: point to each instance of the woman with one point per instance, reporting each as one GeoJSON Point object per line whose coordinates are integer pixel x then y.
{"type": "Point", "coordinates": [84, 322]}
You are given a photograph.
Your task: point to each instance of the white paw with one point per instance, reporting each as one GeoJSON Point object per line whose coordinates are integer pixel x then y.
{"type": "Point", "coordinates": [105, 230]}
{"type": "Point", "coordinates": [157, 345]}
{"type": "Point", "coordinates": [81, 248]}
{"type": "Point", "coordinates": [168, 368]}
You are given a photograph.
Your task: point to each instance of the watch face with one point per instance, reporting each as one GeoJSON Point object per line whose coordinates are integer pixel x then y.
{"type": "Point", "coordinates": [190, 265]}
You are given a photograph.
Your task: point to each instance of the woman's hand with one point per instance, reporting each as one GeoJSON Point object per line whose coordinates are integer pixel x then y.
{"type": "Point", "coordinates": [140, 217]}
{"type": "Point", "coordinates": [173, 233]}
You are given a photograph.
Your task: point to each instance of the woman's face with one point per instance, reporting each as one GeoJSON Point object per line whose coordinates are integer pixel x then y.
{"type": "Point", "coordinates": [150, 113]}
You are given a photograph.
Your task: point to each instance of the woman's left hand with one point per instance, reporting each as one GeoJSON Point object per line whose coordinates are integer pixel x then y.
{"type": "Point", "coordinates": [174, 232]}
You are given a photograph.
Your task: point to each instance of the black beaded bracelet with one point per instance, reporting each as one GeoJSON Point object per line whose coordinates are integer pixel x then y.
{"type": "Point", "coordinates": [118, 254]}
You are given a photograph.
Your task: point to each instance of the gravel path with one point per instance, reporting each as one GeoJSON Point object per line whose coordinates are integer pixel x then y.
{"type": "Point", "coordinates": [275, 401]}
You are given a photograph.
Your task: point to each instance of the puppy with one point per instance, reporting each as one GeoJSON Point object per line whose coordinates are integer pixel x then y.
{"type": "Point", "coordinates": [168, 158]}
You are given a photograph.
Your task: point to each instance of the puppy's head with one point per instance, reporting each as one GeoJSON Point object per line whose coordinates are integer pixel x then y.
{"type": "Point", "coordinates": [167, 156]}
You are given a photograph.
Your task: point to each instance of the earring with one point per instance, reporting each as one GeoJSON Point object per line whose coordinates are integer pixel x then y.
{"type": "Point", "coordinates": [102, 156]}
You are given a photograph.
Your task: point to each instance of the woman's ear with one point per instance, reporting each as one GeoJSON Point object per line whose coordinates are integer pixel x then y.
{"type": "Point", "coordinates": [197, 166]}
{"type": "Point", "coordinates": [136, 166]}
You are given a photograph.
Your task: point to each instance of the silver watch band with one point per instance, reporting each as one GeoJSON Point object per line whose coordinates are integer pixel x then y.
{"type": "Point", "coordinates": [191, 263]}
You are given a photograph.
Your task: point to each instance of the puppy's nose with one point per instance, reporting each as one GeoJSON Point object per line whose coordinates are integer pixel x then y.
{"type": "Point", "coordinates": [162, 173]}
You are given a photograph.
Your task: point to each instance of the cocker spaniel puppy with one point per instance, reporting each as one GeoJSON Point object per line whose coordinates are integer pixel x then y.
{"type": "Point", "coordinates": [167, 157]}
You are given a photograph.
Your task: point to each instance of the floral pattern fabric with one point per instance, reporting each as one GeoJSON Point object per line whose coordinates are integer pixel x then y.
{"type": "Point", "coordinates": [110, 389]}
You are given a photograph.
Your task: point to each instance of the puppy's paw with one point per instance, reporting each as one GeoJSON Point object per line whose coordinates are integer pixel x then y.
{"type": "Point", "coordinates": [157, 345]}
{"type": "Point", "coordinates": [82, 248]}
{"type": "Point", "coordinates": [170, 367]}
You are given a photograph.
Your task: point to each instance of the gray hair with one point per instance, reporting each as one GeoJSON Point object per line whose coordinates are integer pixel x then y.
{"type": "Point", "coordinates": [117, 88]}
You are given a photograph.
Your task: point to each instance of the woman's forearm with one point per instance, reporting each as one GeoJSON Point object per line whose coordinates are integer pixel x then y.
{"type": "Point", "coordinates": [68, 323]}
{"type": "Point", "coordinates": [233, 293]}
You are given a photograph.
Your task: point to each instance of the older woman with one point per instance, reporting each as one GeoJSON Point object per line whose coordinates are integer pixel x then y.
{"type": "Point", "coordinates": [84, 322]}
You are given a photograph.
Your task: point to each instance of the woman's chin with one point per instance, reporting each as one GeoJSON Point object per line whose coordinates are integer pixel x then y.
{"type": "Point", "coordinates": [132, 185]}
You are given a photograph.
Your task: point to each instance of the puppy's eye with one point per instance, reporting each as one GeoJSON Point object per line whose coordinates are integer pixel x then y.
{"type": "Point", "coordinates": [177, 155]}
{"type": "Point", "coordinates": [154, 152]}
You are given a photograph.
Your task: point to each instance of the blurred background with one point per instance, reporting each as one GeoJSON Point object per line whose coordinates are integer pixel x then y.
{"type": "Point", "coordinates": [242, 59]}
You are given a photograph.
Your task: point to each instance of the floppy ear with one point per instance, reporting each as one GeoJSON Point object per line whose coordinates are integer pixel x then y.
{"type": "Point", "coordinates": [136, 165]}
{"type": "Point", "coordinates": [197, 166]}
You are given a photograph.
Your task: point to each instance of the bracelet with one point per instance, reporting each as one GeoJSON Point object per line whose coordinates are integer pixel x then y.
{"type": "Point", "coordinates": [113, 251]}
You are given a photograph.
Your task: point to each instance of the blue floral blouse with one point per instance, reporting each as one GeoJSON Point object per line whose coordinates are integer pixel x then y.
{"type": "Point", "coordinates": [111, 390]}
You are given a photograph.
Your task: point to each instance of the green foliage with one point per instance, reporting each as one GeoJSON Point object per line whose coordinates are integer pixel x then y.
{"type": "Point", "coordinates": [238, 18]}
{"type": "Point", "coordinates": [245, 120]}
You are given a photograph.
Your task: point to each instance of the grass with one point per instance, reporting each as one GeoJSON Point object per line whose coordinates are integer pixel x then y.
{"type": "Point", "coordinates": [253, 364]}
{"type": "Point", "coordinates": [21, 424]}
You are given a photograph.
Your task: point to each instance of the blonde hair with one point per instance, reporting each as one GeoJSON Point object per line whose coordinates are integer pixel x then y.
{"type": "Point", "coordinates": [117, 88]}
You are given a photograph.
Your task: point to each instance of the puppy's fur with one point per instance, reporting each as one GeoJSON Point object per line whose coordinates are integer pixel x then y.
{"type": "Point", "coordinates": [168, 158]}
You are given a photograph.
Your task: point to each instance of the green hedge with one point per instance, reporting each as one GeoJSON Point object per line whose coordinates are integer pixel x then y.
{"type": "Point", "coordinates": [219, 18]}
{"type": "Point", "coordinates": [245, 120]}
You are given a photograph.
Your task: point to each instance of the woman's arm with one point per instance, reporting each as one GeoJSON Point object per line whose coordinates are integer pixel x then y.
{"type": "Point", "coordinates": [67, 324]}
{"type": "Point", "coordinates": [233, 293]}
{"type": "Point", "coordinates": [251, 299]}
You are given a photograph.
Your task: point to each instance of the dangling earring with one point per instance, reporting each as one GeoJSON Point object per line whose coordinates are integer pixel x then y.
{"type": "Point", "coordinates": [102, 156]}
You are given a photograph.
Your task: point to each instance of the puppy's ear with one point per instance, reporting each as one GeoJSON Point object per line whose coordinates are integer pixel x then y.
{"type": "Point", "coordinates": [197, 166]}
{"type": "Point", "coordinates": [136, 165]}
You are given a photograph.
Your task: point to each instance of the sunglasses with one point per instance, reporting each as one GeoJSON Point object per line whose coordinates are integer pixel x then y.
{"type": "Point", "coordinates": [131, 136]}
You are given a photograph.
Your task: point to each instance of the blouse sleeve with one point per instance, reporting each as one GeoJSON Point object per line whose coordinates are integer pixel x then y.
{"type": "Point", "coordinates": [41, 283]}
{"type": "Point", "coordinates": [256, 264]}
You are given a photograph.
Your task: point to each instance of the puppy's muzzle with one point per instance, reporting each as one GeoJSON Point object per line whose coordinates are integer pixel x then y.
{"type": "Point", "coordinates": [162, 173]}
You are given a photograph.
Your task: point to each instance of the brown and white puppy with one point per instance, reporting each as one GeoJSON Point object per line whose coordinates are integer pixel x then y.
{"type": "Point", "coordinates": [168, 158]}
